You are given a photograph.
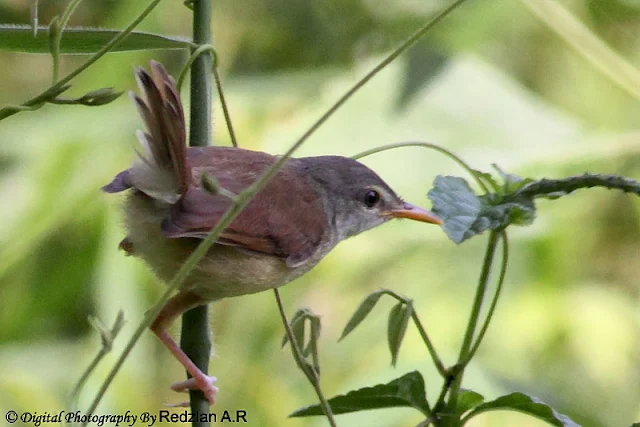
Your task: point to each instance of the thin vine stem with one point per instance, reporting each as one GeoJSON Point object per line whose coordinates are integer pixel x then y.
{"type": "Point", "coordinates": [451, 373]}
{"type": "Point", "coordinates": [494, 302]}
{"type": "Point", "coordinates": [423, 333]}
{"type": "Point", "coordinates": [311, 374]}
{"type": "Point", "coordinates": [205, 48]}
{"type": "Point", "coordinates": [216, 76]}
{"type": "Point", "coordinates": [58, 26]}
{"type": "Point", "coordinates": [473, 322]}
{"type": "Point", "coordinates": [430, 347]}
{"type": "Point", "coordinates": [417, 35]}
{"type": "Point", "coordinates": [43, 96]}
{"type": "Point", "coordinates": [107, 335]}
{"type": "Point", "coordinates": [560, 187]}
{"type": "Point", "coordinates": [429, 145]}
{"type": "Point", "coordinates": [225, 108]}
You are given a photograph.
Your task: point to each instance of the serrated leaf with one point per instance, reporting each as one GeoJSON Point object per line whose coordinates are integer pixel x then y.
{"type": "Point", "coordinates": [521, 402]}
{"type": "Point", "coordinates": [468, 399]}
{"type": "Point", "coordinates": [398, 320]}
{"type": "Point", "coordinates": [465, 215]}
{"type": "Point", "coordinates": [76, 40]}
{"type": "Point", "coordinates": [406, 391]}
{"type": "Point", "coordinates": [361, 313]}
{"type": "Point", "coordinates": [456, 204]}
{"type": "Point", "coordinates": [520, 211]}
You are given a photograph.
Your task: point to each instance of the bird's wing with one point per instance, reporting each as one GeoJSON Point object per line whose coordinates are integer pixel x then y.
{"type": "Point", "coordinates": [267, 224]}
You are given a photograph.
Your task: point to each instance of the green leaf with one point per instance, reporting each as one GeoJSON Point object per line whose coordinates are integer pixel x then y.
{"type": "Point", "coordinates": [297, 327]}
{"type": "Point", "coordinates": [466, 215]}
{"type": "Point", "coordinates": [468, 399]}
{"type": "Point", "coordinates": [20, 38]}
{"type": "Point", "coordinates": [521, 402]}
{"type": "Point", "coordinates": [406, 391]}
{"type": "Point", "coordinates": [457, 205]}
{"type": "Point", "coordinates": [512, 183]}
{"type": "Point", "coordinates": [91, 99]}
{"type": "Point", "coordinates": [398, 320]}
{"type": "Point", "coordinates": [495, 215]}
{"type": "Point", "coordinates": [488, 179]}
{"type": "Point", "coordinates": [363, 311]}
{"type": "Point", "coordinates": [312, 346]}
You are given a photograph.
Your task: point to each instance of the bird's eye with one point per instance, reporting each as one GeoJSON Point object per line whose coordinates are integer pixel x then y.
{"type": "Point", "coordinates": [371, 198]}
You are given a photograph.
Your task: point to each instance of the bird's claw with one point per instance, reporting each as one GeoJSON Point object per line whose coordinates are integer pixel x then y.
{"type": "Point", "coordinates": [204, 383]}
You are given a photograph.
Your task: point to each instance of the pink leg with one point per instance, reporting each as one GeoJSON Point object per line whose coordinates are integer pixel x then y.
{"type": "Point", "coordinates": [177, 305]}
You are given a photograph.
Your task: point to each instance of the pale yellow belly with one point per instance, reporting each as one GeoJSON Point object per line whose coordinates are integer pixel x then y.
{"type": "Point", "coordinates": [224, 272]}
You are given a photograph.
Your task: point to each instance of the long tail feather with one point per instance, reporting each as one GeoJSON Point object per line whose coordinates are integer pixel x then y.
{"type": "Point", "coordinates": [161, 171]}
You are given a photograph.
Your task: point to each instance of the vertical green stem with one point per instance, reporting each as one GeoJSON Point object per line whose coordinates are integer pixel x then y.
{"type": "Point", "coordinates": [201, 78]}
{"type": "Point", "coordinates": [195, 338]}
{"type": "Point", "coordinates": [195, 341]}
{"type": "Point", "coordinates": [309, 372]}
{"type": "Point", "coordinates": [471, 327]}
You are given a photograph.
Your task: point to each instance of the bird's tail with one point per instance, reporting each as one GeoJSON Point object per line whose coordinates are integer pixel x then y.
{"type": "Point", "coordinates": [160, 170]}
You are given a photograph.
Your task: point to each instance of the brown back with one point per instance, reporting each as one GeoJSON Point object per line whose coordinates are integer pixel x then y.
{"type": "Point", "coordinates": [286, 218]}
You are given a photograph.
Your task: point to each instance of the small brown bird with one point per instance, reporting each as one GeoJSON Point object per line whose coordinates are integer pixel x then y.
{"type": "Point", "coordinates": [311, 205]}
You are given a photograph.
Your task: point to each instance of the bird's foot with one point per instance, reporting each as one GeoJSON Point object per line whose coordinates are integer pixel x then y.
{"type": "Point", "coordinates": [204, 383]}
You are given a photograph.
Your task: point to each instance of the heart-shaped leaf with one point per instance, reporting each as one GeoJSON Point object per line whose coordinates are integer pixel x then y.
{"type": "Point", "coordinates": [457, 205]}
{"type": "Point", "coordinates": [406, 391]}
{"type": "Point", "coordinates": [521, 402]}
{"type": "Point", "coordinates": [466, 215]}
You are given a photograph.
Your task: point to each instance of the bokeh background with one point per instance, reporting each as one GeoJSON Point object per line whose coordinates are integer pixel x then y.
{"type": "Point", "coordinates": [492, 82]}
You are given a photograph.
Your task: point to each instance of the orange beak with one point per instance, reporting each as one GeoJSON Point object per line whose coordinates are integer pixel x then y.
{"type": "Point", "coordinates": [415, 213]}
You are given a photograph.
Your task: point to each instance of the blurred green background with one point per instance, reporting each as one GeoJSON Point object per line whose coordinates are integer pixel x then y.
{"type": "Point", "coordinates": [492, 82]}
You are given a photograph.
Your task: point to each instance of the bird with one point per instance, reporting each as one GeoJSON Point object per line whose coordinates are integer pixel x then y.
{"type": "Point", "coordinates": [297, 218]}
